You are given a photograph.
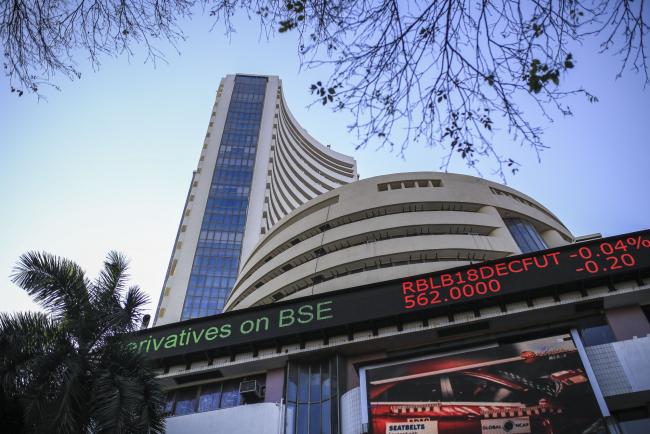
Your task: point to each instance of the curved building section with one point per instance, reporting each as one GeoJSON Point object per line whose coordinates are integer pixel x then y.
{"type": "Point", "coordinates": [388, 227]}
{"type": "Point", "coordinates": [300, 168]}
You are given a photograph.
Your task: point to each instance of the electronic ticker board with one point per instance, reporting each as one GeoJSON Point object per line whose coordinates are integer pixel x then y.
{"type": "Point", "coordinates": [423, 294]}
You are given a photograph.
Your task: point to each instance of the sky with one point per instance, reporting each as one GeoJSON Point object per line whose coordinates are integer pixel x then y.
{"type": "Point", "coordinates": [105, 163]}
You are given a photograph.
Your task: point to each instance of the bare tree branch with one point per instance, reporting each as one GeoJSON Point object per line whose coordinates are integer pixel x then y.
{"type": "Point", "coordinates": [448, 73]}
{"type": "Point", "coordinates": [41, 38]}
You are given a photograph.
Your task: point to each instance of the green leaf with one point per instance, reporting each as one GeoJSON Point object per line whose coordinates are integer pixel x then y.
{"type": "Point", "coordinates": [568, 62]}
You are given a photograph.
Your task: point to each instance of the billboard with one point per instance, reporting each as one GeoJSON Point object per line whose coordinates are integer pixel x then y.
{"type": "Point", "coordinates": [532, 387]}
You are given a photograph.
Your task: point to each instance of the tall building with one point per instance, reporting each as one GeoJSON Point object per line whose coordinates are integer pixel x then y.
{"type": "Point", "coordinates": [409, 303]}
{"type": "Point", "coordinates": [256, 165]}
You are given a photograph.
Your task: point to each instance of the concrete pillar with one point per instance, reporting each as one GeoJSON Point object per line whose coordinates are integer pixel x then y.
{"type": "Point", "coordinates": [628, 322]}
{"type": "Point", "coordinates": [274, 385]}
{"type": "Point", "coordinates": [502, 233]}
{"type": "Point", "coordinates": [552, 238]}
{"type": "Point", "coordinates": [352, 376]}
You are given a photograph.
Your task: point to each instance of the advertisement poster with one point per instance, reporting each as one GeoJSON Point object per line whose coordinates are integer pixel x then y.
{"type": "Point", "coordinates": [532, 387]}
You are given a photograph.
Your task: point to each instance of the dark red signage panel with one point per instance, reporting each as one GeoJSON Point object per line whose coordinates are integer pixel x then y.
{"type": "Point", "coordinates": [607, 257]}
{"type": "Point", "coordinates": [535, 387]}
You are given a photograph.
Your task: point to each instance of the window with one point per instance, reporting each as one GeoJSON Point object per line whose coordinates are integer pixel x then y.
{"type": "Point", "coordinates": [230, 395]}
{"type": "Point", "coordinates": [597, 335]}
{"type": "Point", "coordinates": [312, 397]}
{"type": "Point", "coordinates": [210, 396]}
{"type": "Point", "coordinates": [185, 401]}
{"type": "Point", "coordinates": [169, 404]}
{"type": "Point", "coordinates": [409, 184]}
{"type": "Point", "coordinates": [525, 235]}
{"type": "Point", "coordinates": [634, 421]}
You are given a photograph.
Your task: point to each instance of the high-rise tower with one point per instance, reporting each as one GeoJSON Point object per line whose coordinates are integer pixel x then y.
{"type": "Point", "coordinates": [256, 166]}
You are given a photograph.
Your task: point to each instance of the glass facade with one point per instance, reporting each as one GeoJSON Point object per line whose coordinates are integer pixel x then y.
{"type": "Point", "coordinates": [525, 235]}
{"type": "Point", "coordinates": [216, 260]}
{"type": "Point", "coordinates": [633, 421]}
{"type": "Point", "coordinates": [312, 397]}
{"type": "Point", "coordinates": [597, 335]}
{"type": "Point", "coordinates": [207, 397]}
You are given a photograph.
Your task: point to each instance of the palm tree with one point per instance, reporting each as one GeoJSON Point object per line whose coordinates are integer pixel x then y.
{"type": "Point", "coordinates": [67, 369]}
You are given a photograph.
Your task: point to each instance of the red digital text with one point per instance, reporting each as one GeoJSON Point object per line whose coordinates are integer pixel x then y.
{"type": "Point", "coordinates": [471, 282]}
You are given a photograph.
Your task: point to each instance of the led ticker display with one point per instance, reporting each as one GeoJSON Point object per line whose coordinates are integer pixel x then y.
{"type": "Point", "coordinates": [542, 269]}
{"type": "Point", "coordinates": [602, 258]}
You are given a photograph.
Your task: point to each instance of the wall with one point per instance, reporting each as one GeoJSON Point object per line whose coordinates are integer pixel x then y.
{"type": "Point", "coordinates": [246, 419]}
{"type": "Point", "coordinates": [622, 370]}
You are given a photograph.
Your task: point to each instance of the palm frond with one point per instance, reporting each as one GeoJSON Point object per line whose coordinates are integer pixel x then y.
{"type": "Point", "coordinates": [24, 339]}
{"type": "Point", "coordinates": [112, 278]}
{"type": "Point", "coordinates": [58, 284]}
{"type": "Point", "coordinates": [127, 397]}
{"type": "Point", "coordinates": [133, 308]}
{"type": "Point", "coordinates": [66, 411]}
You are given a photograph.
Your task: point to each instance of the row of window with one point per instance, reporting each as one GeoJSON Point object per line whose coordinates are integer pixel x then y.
{"type": "Point", "coordinates": [232, 140]}
{"type": "Point", "coordinates": [216, 265]}
{"type": "Point", "coordinates": [225, 202]}
{"type": "Point", "coordinates": [208, 281]}
{"type": "Point", "coordinates": [202, 304]}
{"type": "Point", "coordinates": [213, 211]}
{"type": "Point", "coordinates": [203, 295]}
{"type": "Point", "coordinates": [219, 248]}
{"type": "Point", "coordinates": [249, 97]}
{"type": "Point", "coordinates": [230, 175]}
{"type": "Point", "coordinates": [207, 397]}
{"type": "Point", "coordinates": [238, 190]}
{"type": "Point", "coordinates": [237, 116]}
{"type": "Point", "coordinates": [205, 291]}
{"type": "Point", "coordinates": [230, 150]}
{"type": "Point", "coordinates": [224, 227]}
{"type": "Point", "coordinates": [243, 107]}
{"type": "Point", "coordinates": [214, 249]}
{"type": "Point", "coordinates": [242, 127]}
{"type": "Point", "coordinates": [236, 219]}
{"type": "Point", "coordinates": [240, 120]}
{"type": "Point", "coordinates": [238, 162]}
{"type": "Point", "coordinates": [221, 235]}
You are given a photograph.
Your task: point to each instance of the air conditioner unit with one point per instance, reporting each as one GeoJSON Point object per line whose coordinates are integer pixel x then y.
{"type": "Point", "coordinates": [251, 388]}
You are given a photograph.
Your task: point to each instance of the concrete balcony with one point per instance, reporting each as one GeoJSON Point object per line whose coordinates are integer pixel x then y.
{"type": "Point", "coordinates": [262, 418]}
{"type": "Point", "coordinates": [623, 371]}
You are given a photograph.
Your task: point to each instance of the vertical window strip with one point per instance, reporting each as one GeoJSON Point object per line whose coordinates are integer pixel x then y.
{"type": "Point", "coordinates": [216, 259]}
{"type": "Point", "coordinates": [525, 235]}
